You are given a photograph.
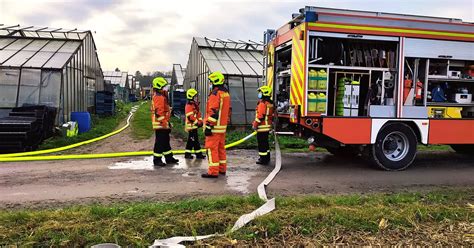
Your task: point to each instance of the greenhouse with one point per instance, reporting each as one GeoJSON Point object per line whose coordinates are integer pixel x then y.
{"type": "Point", "coordinates": [240, 62]}
{"type": "Point", "coordinates": [120, 82]}
{"type": "Point", "coordinates": [54, 67]}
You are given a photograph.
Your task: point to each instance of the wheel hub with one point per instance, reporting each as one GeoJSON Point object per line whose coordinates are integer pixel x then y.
{"type": "Point", "coordinates": [395, 146]}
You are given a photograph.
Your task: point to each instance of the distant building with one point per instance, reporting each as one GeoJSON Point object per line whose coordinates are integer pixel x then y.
{"type": "Point", "coordinates": [240, 62]}
{"type": "Point", "coordinates": [120, 82]}
{"type": "Point", "coordinates": [132, 82]}
{"type": "Point", "coordinates": [177, 76]}
{"type": "Point", "coordinates": [48, 66]}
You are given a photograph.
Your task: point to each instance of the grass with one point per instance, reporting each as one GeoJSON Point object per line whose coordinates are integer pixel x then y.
{"type": "Point", "coordinates": [303, 219]}
{"type": "Point", "coordinates": [141, 123]}
{"type": "Point", "coordinates": [434, 148]}
{"type": "Point", "coordinates": [100, 126]}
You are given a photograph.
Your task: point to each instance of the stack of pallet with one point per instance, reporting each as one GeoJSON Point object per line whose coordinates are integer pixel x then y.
{"type": "Point", "coordinates": [104, 103]}
{"type": "Point", "coordinates": [179, 102]}
{"type": "Point", "coordinates": [25, 128]}
{"type": "Point", "coordinates": [45, 116]}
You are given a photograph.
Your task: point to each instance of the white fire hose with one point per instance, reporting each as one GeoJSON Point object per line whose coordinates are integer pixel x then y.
{"type": "Point", "coordinates": [266, 208]}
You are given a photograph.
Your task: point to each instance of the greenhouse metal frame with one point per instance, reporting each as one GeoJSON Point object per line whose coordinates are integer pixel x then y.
{"type": "Point", "coordinates": [242, 65]}
{"type": "Point", "coordinates": [48, 66]}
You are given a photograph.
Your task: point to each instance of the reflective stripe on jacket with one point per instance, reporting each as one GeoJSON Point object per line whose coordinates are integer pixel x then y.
{"type": "Point", "coordinates": [193, 116]}
{"type": "Point", "coordinates": [160, 110]}
{"type": "Point", "coordinates": [218, 110]}
{"type": "Point", "coordinates": [263, 116]}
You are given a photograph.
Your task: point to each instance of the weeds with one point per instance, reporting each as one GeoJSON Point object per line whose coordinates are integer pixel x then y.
{"type": "Point", "coordinates": [297, 220]}
{"type": "Point", "coordinates": [100, 126]}
{"type": "Point", "coordinates": [141, 122]}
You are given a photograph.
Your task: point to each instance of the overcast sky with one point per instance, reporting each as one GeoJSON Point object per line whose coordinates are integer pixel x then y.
{"type": "Point", "coordinates": [149, 35]}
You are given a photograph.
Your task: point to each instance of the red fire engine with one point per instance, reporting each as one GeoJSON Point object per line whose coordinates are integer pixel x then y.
{"type": "Point", "coordinates": [373, 83]}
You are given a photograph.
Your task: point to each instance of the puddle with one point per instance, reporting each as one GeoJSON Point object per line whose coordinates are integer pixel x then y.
{"type": "Point", "coordinates": [19, 194]}
{"type": "Point", "coordinates": [147, 164]}
{"type": "Point", "coordinates": [239, 175]}
{"type": "Point", "coordinates": [143, 164]}
{"type": "Point", "coordinates": [239, 181]}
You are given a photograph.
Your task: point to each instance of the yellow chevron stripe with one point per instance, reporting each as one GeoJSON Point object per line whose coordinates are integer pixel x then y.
{"type": "Point", "coordinates": [295, 69]}
{"type": "Point", "coordinates": [295, 91]}
{"type": "Point", "coordinates": [271, 59]}
{"type": "Point", "coordinates": [395, 30]}
{"type": "Point", "coordinates": [292, 98]}
{"type": "Point", "coordinates": [299, 57]}
{"type": "Point", "coordinates": [299, 70]}
{"type": "Point", "coordinates": [270, 77]}
{"type": "Point", "coordinates": [296, 81]}
{"type": "Point", "coordinates": [303, 64]}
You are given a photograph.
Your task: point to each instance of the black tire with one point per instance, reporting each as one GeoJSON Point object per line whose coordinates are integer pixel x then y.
{"type": "Point", "coordinates": [395, 147]}
{"type": "Point", "coordinates": [467, 149]}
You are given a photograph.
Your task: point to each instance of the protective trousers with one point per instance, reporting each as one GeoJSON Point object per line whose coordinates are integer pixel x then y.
{"type": "Point", "coordinates": [215, 145]}
{"type": "Point", "coordinates": [162, 145]}
{"type": "Point", "coordinates": [263, 146]}
{"type": "Point", "coordinates": [192, 145]}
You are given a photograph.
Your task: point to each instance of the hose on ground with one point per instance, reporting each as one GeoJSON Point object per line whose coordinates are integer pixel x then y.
{"type": "Point", "coordinates": [107, 155]}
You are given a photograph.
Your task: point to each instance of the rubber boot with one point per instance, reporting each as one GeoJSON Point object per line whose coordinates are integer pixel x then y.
{"type": "Point", "coordinates": [170, 160]}
{"type": "Point", "coordinates": [262, 161]}
{"type": "Point", "coordinates": [206, 175]}
{"type": "Point", "coordinates": [158, 162]}
{"type": "Point", "coordinates": [200, 156]}
{"type": "Point", "coordinates": [188, 156]}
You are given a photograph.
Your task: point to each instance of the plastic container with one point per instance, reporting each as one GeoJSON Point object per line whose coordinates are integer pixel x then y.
{"type": "Point", "coordinates": [339, 109]}
{"type": "Point", "coordinates": [321, 103]}
{"type": "Point", "coordinates": [83, 120]}
{"type": "Point", "coordinates": [312, 102]}
{"type": "Point", "coordinates": [322, 80]}
{"type": "Point", "coordinates": [313, 80]}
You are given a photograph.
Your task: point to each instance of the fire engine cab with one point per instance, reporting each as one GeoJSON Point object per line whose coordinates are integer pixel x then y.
{"type": "Point", "coordinates": [371, 83]}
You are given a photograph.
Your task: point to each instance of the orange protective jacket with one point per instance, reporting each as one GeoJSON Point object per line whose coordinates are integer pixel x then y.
{"type": "Point", "coordinates": [263, 116]}
{"type": "Point", "coordinates": [193, 116]}
{"type": "Point", "coordinates": [218, 109]}
{"type": "Point", "coordinates": [160, 110]}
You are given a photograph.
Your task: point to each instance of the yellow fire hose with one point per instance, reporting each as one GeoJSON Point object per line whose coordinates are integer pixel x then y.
{"type": "Point", "coordinates": [102, 155]}
{"type": "Point", "coordinates": [22, 154]}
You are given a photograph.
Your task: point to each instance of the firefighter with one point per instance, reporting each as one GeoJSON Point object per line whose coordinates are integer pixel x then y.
{"type": "Point", "coordinates": [193, 122]}
{"type": "Point", "coordinates": [263, 123]}
{"type": "Point", "coordinates": [160, 117]}
{"type": "Point", "coordinates": [217, 117]}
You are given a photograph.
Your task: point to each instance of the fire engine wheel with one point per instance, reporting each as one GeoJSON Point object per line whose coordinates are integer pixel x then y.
{"type": "Point", "coordinates": [467, 149]}
{"type": "Point", "coordinates": [394, 148]}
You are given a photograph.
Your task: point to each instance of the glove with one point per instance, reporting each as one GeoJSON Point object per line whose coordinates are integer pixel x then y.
{"type": "Point", "coordinates": [208, 131]}
{"type": "Point", "coordinates": [199, 124]}
{"type": "Point", "coordinates": [254, 126]}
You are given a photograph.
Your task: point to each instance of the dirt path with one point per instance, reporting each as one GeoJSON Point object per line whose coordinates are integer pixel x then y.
{"type": "Point", "coordinates": [129, 179]}
{"type": "Point", "coordinates": [326, 174]}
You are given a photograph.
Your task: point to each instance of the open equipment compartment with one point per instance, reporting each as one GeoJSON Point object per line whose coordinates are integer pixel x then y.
{"type": "Point", "coordinates": [360, 72]}
{"type": "Point", "coordinates": [283, 75]}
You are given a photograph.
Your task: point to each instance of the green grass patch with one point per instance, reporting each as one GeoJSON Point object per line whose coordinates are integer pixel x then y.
{"type": "Point", "coordinates": [100, 126]}
{"type": "Point", "coordinates": [141, 122]}
{"type": "Point", "coordinates": [138, 224]}
{"type": "Point", "coordinates": [435, 148]}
